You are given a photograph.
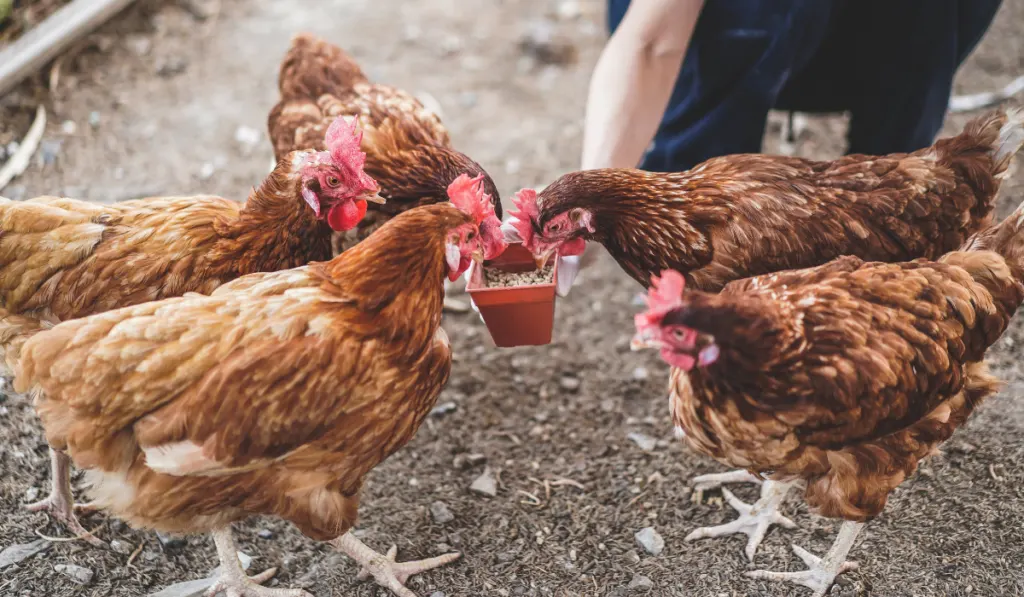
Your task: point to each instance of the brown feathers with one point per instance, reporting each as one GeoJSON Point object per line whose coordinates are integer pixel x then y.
{"type": "Point", "coordinates": [737, 216]}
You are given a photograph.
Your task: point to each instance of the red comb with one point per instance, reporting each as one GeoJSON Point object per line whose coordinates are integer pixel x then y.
{"type": "Point", "coordinates": [468, 195]}
{"type": "Point", "coordinates": [343, 142]}
{"type": "Point", "coordinates": [663, 296]}
{"type": "Point", "coordinates": [526, 202]}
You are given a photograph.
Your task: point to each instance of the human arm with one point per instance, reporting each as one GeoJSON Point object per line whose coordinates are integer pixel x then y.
{"type": "Point", "coordinates": [633, 80]}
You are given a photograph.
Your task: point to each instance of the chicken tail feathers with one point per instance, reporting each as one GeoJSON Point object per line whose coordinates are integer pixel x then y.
{"type": "Point", "coordinates": [1005, 238]}
{"type": "Point", "coordinates": [313, 67]}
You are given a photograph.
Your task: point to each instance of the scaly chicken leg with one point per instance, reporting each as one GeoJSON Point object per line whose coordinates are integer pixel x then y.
{"type": "Point", "coordinates": [233, 580]}
{"type": "Point", "coordinates": [60, 504]}
{"type": "Point", "coordinates": [821, 572]}
{"type": "Point", "coordinates": [384, 569]}
{"type": "Point", "coordinates": [754, 520]}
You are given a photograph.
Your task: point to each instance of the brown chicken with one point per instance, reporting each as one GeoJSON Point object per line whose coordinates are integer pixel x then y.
{"type": "Point", "coordinates": [408, 150]}
{"type": "Point", "coordinates": [839, 378]}
{"type": "Point", "coordinates": [274, 395]}
{"type": "Point", "coordinates": [62, 259]}
{"type": "Point", "coordinates": [738, 216]}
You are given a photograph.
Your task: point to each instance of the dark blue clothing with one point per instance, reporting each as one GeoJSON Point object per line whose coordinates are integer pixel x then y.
{"type": "Point", "coordinates": [889, 63]}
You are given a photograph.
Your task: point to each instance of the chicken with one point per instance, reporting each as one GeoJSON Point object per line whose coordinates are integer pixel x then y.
{"type": "Point", "coordinates": [738, 216]}
{"type": "Point", "coordinates": [408, 149]}
{"type": "Point", "coordinates": [274, 395]}
{"type": "Point", "coordinates": [62, 259]}
{"type": "Point", "coordinates": [838, 378]}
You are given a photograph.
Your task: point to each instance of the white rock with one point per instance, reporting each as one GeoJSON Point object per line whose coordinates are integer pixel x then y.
{"type": "Point", "coordinates": [79, 574]}
{"type": "Point", "coordinates": [640, 373]}
{"type": "Point", "coordinates": [16, 553]}
{"type": "Point", "coordinates": [247, 138]}
{"type": "Point", "coordinates": [640, 583]}
{"type": "Point", "coordinates": [644, 442]}
{"type": "Point", "coordinates": [650, 540]}
{"type": "Point", "coordinates": [485, 484]}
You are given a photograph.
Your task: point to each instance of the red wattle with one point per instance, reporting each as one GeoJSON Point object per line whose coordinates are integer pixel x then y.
{"type": "Point", "coordinates": [346, 215]}
{"type": "Point", "coordinates": [575, 246]}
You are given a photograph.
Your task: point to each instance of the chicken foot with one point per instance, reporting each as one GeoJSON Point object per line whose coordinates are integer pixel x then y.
{"type": "Point", "coordinates": [60, 504]}
{"type": "Point", "coordinates": [821, 572]}
{"type": "Point", "coordinates": [234, 582]}
{"type": "Point", "coordinates": [754, 520]}
{"type": "Point", "coordinates": [388, 573]}
{"type": "Point", "coordinates": [702, 483]}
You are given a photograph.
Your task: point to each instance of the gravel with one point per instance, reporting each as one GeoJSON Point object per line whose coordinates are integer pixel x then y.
{"type": "Point", "coordinates": [485, 484]}
{"type": "Point", "coordinates": [650, 540]}
{"type": "Point", "coordinates": [496, 278]}
{"type": "Point", "coordinates": [79, 574]}
{"type": "Point", "coordinates": [441, 513]}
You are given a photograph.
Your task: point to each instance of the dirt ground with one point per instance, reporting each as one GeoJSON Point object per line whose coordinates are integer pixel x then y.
{"type": "Point", "coordinates": [166, 100]}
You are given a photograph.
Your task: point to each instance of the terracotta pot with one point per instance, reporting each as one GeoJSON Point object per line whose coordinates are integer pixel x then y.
{"type": "Point", "coordinates": [515, 315]}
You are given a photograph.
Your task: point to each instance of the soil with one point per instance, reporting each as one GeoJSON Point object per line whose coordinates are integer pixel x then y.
{"type": "Point", "coordinates": [496, 278]}
{"type": "Point", "coordinates": [175, 96]}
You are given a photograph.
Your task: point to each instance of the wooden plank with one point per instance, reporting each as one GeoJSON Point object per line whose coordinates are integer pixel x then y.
{"type": "Point", "coordinates": [48, 39]}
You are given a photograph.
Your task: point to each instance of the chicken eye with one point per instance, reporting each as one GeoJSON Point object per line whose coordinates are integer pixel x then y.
{"type": "Point", "coordinates": [555, 226]}
{"type": "Point", "coordinates": [678, 334]}
{"type": "Point", "coordinates": [332, 181]}
{"type": "Point", "coordinates": [471, 235]}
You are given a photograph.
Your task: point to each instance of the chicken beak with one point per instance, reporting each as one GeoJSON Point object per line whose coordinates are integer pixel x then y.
{"type": "Point", "coordinates": [643, 340]}
{"type": "Point", "coordinates": [375, 198]}
{"type": "Point", "coordinates": [542, 259]}
{"type": "Point", "coordinates": [477, 256]}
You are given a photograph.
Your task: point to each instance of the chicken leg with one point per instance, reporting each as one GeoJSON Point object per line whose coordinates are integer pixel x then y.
{"type": "Point", "coordinates": [234, 582]}
{"type": "Point", "coordinates": [384, 569]}
{"type": "Point", "coordinates": [754, 520]}
{"type": "Point", "coordinates": [821, 572]}
{"type": "Point", "coordinates": [60, 504]}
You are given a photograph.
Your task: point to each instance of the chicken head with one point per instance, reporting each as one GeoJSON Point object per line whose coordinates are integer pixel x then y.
{"type": "Point", "coordinates": [663, 326]}
{"type": "Point", "coordinates": [334, 184]}
{"type": "Point", "coordinates": [468, 195]}
{"type": "Point", "coordinates": [562, 234]}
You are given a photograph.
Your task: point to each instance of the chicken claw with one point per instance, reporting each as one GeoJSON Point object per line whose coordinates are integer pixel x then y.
{"type": "Point", "coordinates": [702, 483]}
{"type": "Point", "coordinates": [821, 572]}
{"type": "Point", "coordinates": [60, 504]}
{"type": "Point", "coordinates": [234, 582]}
{"type": "Point", "coordinates": [388, 573]}
{"type": "Point", "coordinates": [754, 520]}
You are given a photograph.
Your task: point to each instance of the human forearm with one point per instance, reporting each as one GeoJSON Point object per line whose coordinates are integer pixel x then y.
{"type": "Point", "coordinates": [633, 81]}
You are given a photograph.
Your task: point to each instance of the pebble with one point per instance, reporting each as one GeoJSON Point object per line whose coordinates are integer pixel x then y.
{"type": "Point", "coordinates": [31, 494]}
{"type": "Point", "coordinates": [569, 10]}
{"type": "Point", "coordinates": [569, 383]}
{"type": "Point", "coordinates": [68, 127]}
{"type": "Point", "coordinates": [495, 278]}
{"type": "Point", "coordinates": [50, 150]}
{"type": "Point", "coordinates": [546, 46]}
{"type": "Point", "coordinates": [79, 574]}
{"type": "Point", "coordinates": [265, 534]}
{"type": "Point", "coordinates": [440, 512]}
{"type": "Point", "coordinates": [485, 484]}
{"type": "Point", "coordinates": [650, 540]}
{"type": "Point", "coordinates": [465, 461]}
{"type": "Point", "coordinates": [207, 171]}
{"type": "Point", "coordinates": [140, 45]}
{"type": "Point", "coordinates": [94, 119]}
{"type": "Point", "coordinates": [172, 65]}
{"type": "Point", "coordinates": [640, 373]}
{"type": "Point", "coordinates": [443, 409]}
{"type": "Point", "coordinates": [451, 44]}
{"type": "Point", "coordinates": [437, 594]}
{"type": "Point", "coordinates": [171, 541]}
{"type": "Point", "coordinates": [644, 442]}
{"type": "Point", "coordinates": [12, 554]}
{"type": "Point", "coordinates": [13, 147]}
{"type": "Point", "coordinates": [120, 547]}
{"type": "Point", "coordinates": [247, 138]}
{"type": "Point", "coordinates": [640, 583]}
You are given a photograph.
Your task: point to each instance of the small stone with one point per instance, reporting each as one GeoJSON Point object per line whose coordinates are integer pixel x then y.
{"type": "Point", "coordinates": [68, 127]}
{"type": "Point", "coordinates": [639, 300]}
{"type": "Point", "coordinates": [31, 494]}
{"type": "Point", "coordinates": [437, 594]}
{"type": "Point", "coordinates": [640, 584]}
{"type": "Point", "coordinates": [465, 461]}
{"type": "Point", "coordinates": [207, 171]}
{"type": "Point", "coordinates": [569, 383]}
{"type": "Point", "coordinates": [14, 554]}
{"type": "Point", "coordinates": [200, 10]}
{"type": "Point", "coordinates": [443, 409]}
{"type": "Point", "coordinates": [50, 150]}
{"type": "Point", "coordinates": [650, 540]}
{"type": "Point", "coordinates": [569, 10]}
{"type": "Point", "coordinates": [171, 541]}
{"type": "Point", "coordinates": [644, 442]}
{"type": "Point", "coordinates": [13, 147]}
{"type": "Point", "coordinates": [94, 119]}
{"type": "Point", "coordinates": [140, 45]}
{"type": "Point", "coordinates": [171, 65]}
{"type": "Point", "coordinates": [247, 138]}
{"type": "Point", "coordinates": [546, 46]}
{"type": "Point", "coordinates": [120, 547]}
{"type": "Point", "coordinates": [80, 575]}
{"type": "Point", "coordinates": [451, 44]}
{"type": "Point", "coordinates": [485, 484]}
{"type": "Point", "coordinates": [440, 512]}
{"type": "Point", "coordinates": [265, 534]}
{"type": "Point", "coordinates": [640, 373]}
